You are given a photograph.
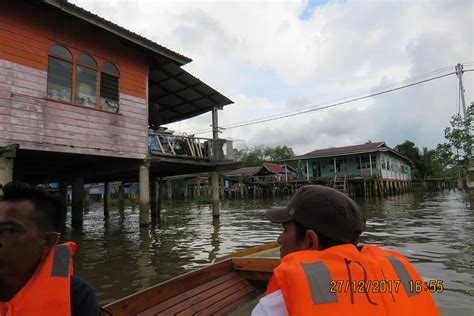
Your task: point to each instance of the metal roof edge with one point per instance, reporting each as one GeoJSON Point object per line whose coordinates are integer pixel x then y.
{"type": "Point", "coordinates": [118, 30]}
{"type": "Point", "coordinates": [352, 153]}
{"type": "Point", "coordinates": [338, 154]}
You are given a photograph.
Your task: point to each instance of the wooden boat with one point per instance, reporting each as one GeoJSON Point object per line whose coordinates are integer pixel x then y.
{"type": "Point", "coordinates": [231, 283]}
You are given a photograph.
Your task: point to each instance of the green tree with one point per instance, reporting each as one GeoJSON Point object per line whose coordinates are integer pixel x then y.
{"type": "Point", "coordinates": [457, 151]}
{"type": "Point", "coordinates": [259, 154]}
{"type": "Point", "coordinates": [278, 153]}
{"type": "Point", "coordinates": [409, 150]}
{"type": "Point", "coordinates": [426, 164]}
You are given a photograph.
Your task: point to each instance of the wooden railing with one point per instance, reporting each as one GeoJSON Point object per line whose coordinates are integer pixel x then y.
{"type": "Point", "coordinates": [189, 146]}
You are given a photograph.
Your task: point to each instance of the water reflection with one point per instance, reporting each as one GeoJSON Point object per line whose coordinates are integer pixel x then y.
{"type": "Point", "coordinates": [433, 229]}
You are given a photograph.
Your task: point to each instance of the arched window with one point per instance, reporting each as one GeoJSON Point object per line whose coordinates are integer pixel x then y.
{"type": "Point", "coordinates": [80, 80]}
{"type": "Point", "coordinates": [86, 80]}
{"type": "Point", "coordinates": [109, 87]}
{"type": "Point", "coordinates": [59, 73]}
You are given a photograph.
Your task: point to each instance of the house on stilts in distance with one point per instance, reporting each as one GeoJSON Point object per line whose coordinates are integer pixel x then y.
{"type": "Point", "coordinates": [83, 100]}
{"type": "Point", "coordinates": [366, 169]}
{"type": "Point", "coordinates": [267, 180]}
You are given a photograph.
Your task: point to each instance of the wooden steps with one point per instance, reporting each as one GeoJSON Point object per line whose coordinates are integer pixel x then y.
{"type": "Point", "coordinates": [339, 184]}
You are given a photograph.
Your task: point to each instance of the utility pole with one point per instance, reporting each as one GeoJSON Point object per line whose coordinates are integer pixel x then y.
{"type": "Point", "coordinates": [470, 170]}
{"type": "Point", "coordinates": [215, 174]}
{"type": "Point", "coordinates": [459, 72]}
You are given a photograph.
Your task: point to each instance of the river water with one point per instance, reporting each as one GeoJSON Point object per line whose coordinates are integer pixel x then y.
{"type": "Point", "coordinates": [434, 230]}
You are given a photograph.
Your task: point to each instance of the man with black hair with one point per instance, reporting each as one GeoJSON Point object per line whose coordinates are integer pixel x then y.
{"type": "Point", "coordinates": [323, 271]}
{"type": "Point", "coordinates": [36, 273]}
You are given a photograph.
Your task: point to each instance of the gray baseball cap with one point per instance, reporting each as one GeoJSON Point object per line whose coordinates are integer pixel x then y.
{"type": "Point", "coordinates": [324, 210]}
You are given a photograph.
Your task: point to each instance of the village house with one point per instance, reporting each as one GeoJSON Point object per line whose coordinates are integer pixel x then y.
{"type": "Point", "coordinates": [382, 166]}
{"type": "Point", "coordinates": [256, 181]}
{"type": "Point", "coordinates": [82, 99]}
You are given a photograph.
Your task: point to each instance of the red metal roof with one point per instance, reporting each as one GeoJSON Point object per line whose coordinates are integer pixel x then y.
{"type": "Point", "coordinates": [274, 167]}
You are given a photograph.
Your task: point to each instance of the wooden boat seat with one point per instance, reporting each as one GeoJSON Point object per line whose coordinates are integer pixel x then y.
{"type": "Point", "coordinates": [217, 297]}
{"type": "Point", "coordinates": [215, 290]}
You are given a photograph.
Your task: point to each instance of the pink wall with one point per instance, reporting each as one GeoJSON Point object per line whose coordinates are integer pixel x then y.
{"type": "Point", "coordinates": [28, 119]}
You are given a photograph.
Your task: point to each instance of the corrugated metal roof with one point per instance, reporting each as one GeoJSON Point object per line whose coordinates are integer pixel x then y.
{"type": "Point", "coordinates": [348, 150]}
{"type": "Point", "coordinates": [92, 18]}
{"type": "Point", "coordinates": [274, 167]}
{"type": "Point", "coordinates": [271, 167]}
{"type": "Point", "coordinates": [176, 95]}
{"type": "Point", "coordinates": [342, 150]}
{"type": "Point", "coordinates": [245, 170]}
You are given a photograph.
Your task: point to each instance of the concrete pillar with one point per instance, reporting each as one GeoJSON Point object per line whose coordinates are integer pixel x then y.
{"type": "Point", "coordinates": [185, 191]}
{"type": "Point", "coordinates": [215, 194]}
{"type": "Point", "coordinates": [198, 186]}
{"type": "Point", "coordinates": [241, 186]}
{"type": "Point", "coordinates": [106, 199]}
{"type": "Point", "coordinates": [221, 187]}
{"type": "Point", "coordinates": [87, 200]}
{"type": "Point", "coordinates": [133, 196]}
{"type": "Point", "coordinates": [121, 197]}
{"type": "Point", "coordinates": [7, 156]}
{"type": "Point", "coordinates": [144, 178]}
{"type": "Point", "coordinates": [63, 195]}
{"type": "Point", "coordinates": [77, 200]}
{"type": "Point", "coordinates": [209, 186]}
{"type": "Point", "coordinates": [170, 189]}
{"type": "Point", "coordinates": [160, 199]}
{"type": "Point", "coordinates": [154, 197]}
{"type": "Point", "coordinates": [6, 170]}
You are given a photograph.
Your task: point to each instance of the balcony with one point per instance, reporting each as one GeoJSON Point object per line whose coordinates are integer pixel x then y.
{"type": "Point", "coordinates": [163, 143]}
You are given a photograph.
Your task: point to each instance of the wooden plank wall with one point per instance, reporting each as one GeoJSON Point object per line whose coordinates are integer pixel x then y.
{"type": "Point", "coordinates": [28, 118]}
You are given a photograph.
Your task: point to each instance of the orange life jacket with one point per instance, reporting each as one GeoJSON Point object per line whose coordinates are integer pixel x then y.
{"type": "Point", "coordinates": [48, 291]}
{"type": "Point", "coordinates": [342, 280]}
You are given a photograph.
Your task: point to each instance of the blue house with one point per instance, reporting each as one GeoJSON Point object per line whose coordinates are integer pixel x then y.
{"type": "Point", "coordinates": [370, 160]}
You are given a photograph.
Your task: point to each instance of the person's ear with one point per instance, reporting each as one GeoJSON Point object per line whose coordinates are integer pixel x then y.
{"type": "Point", "coordinates": [312, 240]}
{"type": "Point", "coordinates": [50, 240]}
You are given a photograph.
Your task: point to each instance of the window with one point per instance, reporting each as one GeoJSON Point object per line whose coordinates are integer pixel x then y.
{"type": "Point", "coordinates": [80, 81]}
{"type": "Point", "coordinates": [338, 165]}
{"type": "Point", "coordinates": [86, 81]}
{"type": "Point", "coordinates": [365, 162]}
{"type": "Point", "coordinates": [109, 93]}
{"type": "Point", "coordinates": [59, 73]}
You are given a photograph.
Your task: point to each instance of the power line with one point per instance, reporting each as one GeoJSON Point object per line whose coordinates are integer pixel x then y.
{"type": "Point", "coordinates": [284, 115]}
{"type": "Point", "coordinates": [339, 103]}
{"type": "Point", "coordinates": [375, 91]}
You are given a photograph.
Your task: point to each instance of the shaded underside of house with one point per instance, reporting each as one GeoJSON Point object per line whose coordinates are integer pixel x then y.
{"type": "Point", "coordinates": [43, 166]}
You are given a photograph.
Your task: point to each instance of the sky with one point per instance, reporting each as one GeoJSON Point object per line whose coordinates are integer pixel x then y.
{"type": "Point", "coordinates": [273, 57]}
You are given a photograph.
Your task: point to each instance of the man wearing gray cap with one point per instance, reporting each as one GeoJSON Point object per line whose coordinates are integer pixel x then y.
{"type": "Point", "coordinates": [323, 271]}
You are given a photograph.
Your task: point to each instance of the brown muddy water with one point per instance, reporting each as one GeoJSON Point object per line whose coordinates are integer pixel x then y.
{"type": "Point", "coordinates": [434, 230]}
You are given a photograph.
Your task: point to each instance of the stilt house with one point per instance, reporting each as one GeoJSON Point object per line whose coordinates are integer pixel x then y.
{"type": "Point", "coordinates": [358, 161]}
{"type": "Point", "coordinates": [81, 100]}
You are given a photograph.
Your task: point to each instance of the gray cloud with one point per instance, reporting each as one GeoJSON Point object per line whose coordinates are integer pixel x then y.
{"type": "Point", "coordinates": [343, 49]}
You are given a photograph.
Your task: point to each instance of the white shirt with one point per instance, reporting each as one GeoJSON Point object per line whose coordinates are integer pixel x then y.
{"type": "Point", "coordinates": [271, 305]}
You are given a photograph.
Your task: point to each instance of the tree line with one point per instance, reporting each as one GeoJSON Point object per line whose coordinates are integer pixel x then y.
{"type": "Point", "coordinates": [450, 159]}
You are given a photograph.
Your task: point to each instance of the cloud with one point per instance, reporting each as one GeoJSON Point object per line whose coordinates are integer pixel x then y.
{"type": "Point", "coordinates": [274, 57]}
